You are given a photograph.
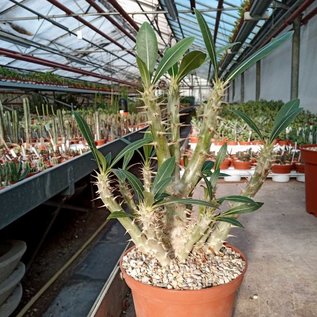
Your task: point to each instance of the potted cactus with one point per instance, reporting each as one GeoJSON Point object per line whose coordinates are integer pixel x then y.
{"type": "Point", "coordinates": [178, 238]}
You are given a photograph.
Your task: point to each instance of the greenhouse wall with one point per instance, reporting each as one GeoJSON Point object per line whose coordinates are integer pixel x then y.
{"type": "Point", "coordinates": [276, 72]}
{"type": "Point", "coordinates": [308, 66]}
{"type": "Point", "coordinates": [250, 84]}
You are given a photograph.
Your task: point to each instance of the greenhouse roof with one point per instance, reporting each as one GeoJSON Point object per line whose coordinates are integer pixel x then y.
{"type": "Point", "coordinates": [94, 40]}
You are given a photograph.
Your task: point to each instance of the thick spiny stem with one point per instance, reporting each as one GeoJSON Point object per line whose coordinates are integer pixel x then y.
{"type": "Point", "coordinates": [155, 118]}
{"type": "Point", "coordinates": [173, 110]}
{"type": "Point", "coordinates": [222, 229]}
{"type": "Point", "coordinates": [209, 125]}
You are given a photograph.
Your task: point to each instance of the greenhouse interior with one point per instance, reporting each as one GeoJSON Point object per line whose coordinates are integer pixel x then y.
{"type": "Point", "coordinates": [158, 158]}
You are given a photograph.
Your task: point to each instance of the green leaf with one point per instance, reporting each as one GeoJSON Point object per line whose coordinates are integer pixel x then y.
{"type": "Point", "coordinates": [230, 220]}
{"type": "Point", "coordinates": [236, 198]}
{"type": "Point", "coordinates": [186, 201]}
{"type": "Point", "coordinates": [249, 122]}
{"type": "Point", "coordinates": [214, 177]}
{"type": "Point", "coordinates": [144, 72]}
{"type": "Point", "coordinates": [208, 186]}
{"type": "Point", "coordinates": [190, 61]}
{"type": "Point", "coordinates": [132, 147]}
{"type": "Point", "coordinates": [260, 54]}
{"type": "Point", "coordinates": [118, 214]}
{"type": "Point", "coordinates": [164, 171]}
{"type": "Point", "coordinates": [284, 123]}
{"type": "Point", "coordinates": [209, 42]}
{"type": "Point", "coordinates": [146, 46]}
{"type": "Point", "coordinates": [288, 107]}
{"type": "Point", "coordinates": [108, 158]}
{"type": "Point", "coordinates": [160, 186]}
{"type": "Point", "coordinates": [86, 132]}
{"type": "Point", "coordinates": [127, 158]}
{"type": "Point", "coordinates": [206, 169]}
{"type": "Point", "coordinates": [220, 156]}
{"type": "Point", "coordinates": [242, 209]}
{"type": "Point", "coordinates": [147, 149]}
{"type": "Point", "coordinates": [173, 71]}
{"type": "Point", "coordinates": [134, 182]}
{"type": "Point", "coordinates": [171, 57]}
{"type": "Point", "coordinates": [120, 175]}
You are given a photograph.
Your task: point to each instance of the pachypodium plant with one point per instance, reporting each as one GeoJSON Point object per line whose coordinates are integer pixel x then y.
{"type": "Point", "coordinates": [162, 217]}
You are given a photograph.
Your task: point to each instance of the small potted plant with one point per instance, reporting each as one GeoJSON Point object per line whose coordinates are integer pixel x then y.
{"type": "Point", "coordinates": [243, 160]}
{"type": "Point", "coordinates": [171, 238]}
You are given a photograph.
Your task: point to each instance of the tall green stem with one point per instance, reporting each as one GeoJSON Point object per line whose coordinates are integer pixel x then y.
{"type": "Point", "coordinates": [158, 130]}
{"type": "Point", "coordinates": [173, 110]}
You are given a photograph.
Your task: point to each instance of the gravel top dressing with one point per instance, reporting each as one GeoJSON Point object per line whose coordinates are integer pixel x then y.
{"type": "Point", "coordinates": [199, 271]}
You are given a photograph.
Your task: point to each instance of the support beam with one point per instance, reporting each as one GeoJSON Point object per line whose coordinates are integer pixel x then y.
{"type": "Point", "coordinates": [219, 8]}
{"type": "Point", "coordinates": [242, 88]}
{"type": "Point", "coordinates": [295, 58]}
{"type": "Point", "coordinates": [110, 19]}
{"type": "Point", "coordinates": [258, 80]}
{"type": "Point", "coordinates": [233, 84]}
{"type": "Point", "coordinates": [88, 24]}
{"type": "Point", "coordinates": [45, 62]}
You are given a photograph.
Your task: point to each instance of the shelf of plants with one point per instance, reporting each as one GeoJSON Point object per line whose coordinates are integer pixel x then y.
{"type": "Point", "coordinates": [243, 149]}
{"type": "Point", "coordinates": [42, 152]}
{"type": "Point", "coordinates": [19, 198]}
{"type": "Point", "coordinates": [49, 87]}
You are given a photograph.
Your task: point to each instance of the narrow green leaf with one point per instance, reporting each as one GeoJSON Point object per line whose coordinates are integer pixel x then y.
{"type": "Point", "coordinates": [86, 132]}
{"type": "Point", "coordinates": [285, 110]}
{"type": "Point", "coordinates": [144, 72]}
{"type": "Point", "coordinates": [147, 148]}
{"type": "Point", "coordinates": [214, 177]}
{"type": "Point", "coordinates": [108, 158]}
{"type": "Point", "coordinates": [132, 147]}
{"type": "Point", "coordinates": [242, 209]}
{"type": "Point", "coordinates": [236, 198]}
{"type": "Point", "coordinates": [173, 71]}
{"type": "Point", "coordinates": [208, 165]}
{"type": "Point", "coordinates": [285, 122]}
{"type": "Point", "coordinates": [146, 46]}
{"type": "Point", "coordinates": [209, 42]}
{"type": "Point", "coordinates": [118, 214]}
{"type": "Point", "coordinates": [134, 182]}
{"type": "Point", "coordinates": [230, 220]}
{"type": "Point", "coordinates": [171, 57]}
{"type": "Point", "coordinates": [120, 175]}
{"type": "Point", "coordinates": [249, 122]}
{"type": "Point", "coordinates": [208, 186]}
{"type": "Point", "coordinates": [126, 159]}
{"type": "Point", "coordinates": [160, 186]}
{"type": "Point", "coordinates": [164, 171]}
{"type": "Point", "coordinates": [190, 61]}
{"type": "Point", "coordinates": [220, 156]}
{"type": "Point", "coordinates": [185, 201]}
{"type": "Point", "coordinates": [260, 54]}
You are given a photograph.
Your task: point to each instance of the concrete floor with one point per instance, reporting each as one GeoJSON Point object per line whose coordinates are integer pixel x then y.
{"type": "Point", "coordinates": [280, 242]}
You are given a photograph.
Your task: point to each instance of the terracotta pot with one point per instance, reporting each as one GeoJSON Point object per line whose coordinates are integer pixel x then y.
{"type": "Point", "coordinates": [309, 157]}
{"type": "Point", "coordinates": [232, 143]}
{"type": "Point", "coordinates": [241, 165]}
{"type": "Point", "coordinates": [193, 139]}
{"type": "Point", "coordinates": [100, 142]}
{"type": "Point", "coordinates": [245, 142]}
{"type": "Point", "coordinates": [220, 142]}
{"type": "Point", "coordinates": [151, 301]}
{"type": "Point", "coordinates": [300, 167]}
{"type": "Point", "coordinates": [281, 169]}
{"type": "Point", "coordinates": [257, 142]}
{"type": "Point", "coordinates": [225, 164]}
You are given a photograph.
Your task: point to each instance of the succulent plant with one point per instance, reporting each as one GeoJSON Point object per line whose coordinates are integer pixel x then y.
{"type": "Point", "coordinates": [159, 219]}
